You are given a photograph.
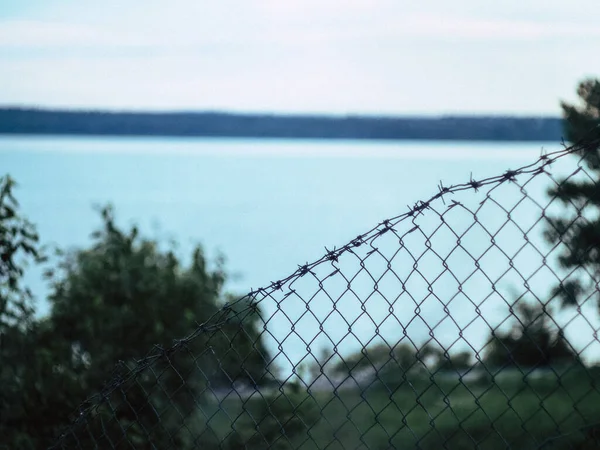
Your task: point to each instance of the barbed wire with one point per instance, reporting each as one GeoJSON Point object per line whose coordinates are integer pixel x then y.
{"type": "Point", "coordinates": [242, 312]}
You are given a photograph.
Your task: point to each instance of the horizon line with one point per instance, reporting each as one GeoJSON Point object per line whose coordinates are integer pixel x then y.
{"type": "Point", "coordinates": [234, 112]}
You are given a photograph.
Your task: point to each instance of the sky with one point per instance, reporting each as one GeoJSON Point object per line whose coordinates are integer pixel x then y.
{"type": "Point", "coordinates": [299, 56]}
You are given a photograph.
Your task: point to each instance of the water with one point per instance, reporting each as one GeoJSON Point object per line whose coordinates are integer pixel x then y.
{"type": "Point", "coordinates": [268, 206]}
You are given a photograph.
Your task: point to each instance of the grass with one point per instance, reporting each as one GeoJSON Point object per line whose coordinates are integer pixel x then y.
{"type": "Point", "coordinates": [421, 413]}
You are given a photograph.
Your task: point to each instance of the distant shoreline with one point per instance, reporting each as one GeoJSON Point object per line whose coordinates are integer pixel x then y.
{"type": "Point", "coordinates": [4, 135]}
{"type": "Point", "coordinates": [47, 122]}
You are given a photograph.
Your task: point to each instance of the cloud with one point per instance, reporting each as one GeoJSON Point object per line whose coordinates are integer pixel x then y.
{"type": "Point", "coordinates": [478, 28]}
{"type": "Point", "coordinates": [280, 24]}
{"type": "Point", "coordinates": [298, 55]}
{"type": "Point", "coordinates": [49, 34]}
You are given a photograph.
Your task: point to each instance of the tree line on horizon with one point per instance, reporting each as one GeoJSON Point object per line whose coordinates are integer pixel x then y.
{"type": "Point", "coordinates": [124, 294]}
{"type": "Point", "coordinates": [216, 124]}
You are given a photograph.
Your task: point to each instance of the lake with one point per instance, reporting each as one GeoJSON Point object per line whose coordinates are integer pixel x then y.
{"type": "Point", "coordinates": [267, 205]}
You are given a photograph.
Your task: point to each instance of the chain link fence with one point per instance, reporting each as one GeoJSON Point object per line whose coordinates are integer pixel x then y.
{"type": "Point", "coordinates": [461, 323]}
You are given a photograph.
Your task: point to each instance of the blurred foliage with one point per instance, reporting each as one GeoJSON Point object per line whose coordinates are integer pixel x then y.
{"type": "Point", "coordinates": [406, 357]}
{"type": "Point", "coordinates": [534, 341]}
{"type": "Point", "coordinates": [531, 343]}
{"type": "Point", "coordinates": [377, 356]}
{"type": "Point", "coordinates": [21, 359]}
{"type": "Point", "coordinates": [581, 121]}
{"type": "Point", "coordinates": [112, 303]}
{"type": "Point", "coordinates": [580, 232]}
{"type": "Point", "coordinates": [18, 246]}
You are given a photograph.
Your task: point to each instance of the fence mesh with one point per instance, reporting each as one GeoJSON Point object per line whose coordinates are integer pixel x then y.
{"type": "Point", "coordinates": [461, 323]}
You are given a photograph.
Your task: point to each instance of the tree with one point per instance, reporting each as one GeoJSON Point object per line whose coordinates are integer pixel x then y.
{"type": "Point", "coordinates": [122, 297]}
{"type": "Point", "coordinates": [390, 364]}
{"type": "Point", "coordinates": [18, 245]}
{"type": "Point", "coordinates": [22, 360]}
{"type": "Point", "coordinates": [34, 398]}
{"type": "Point", "coordinates": [110, 304]}
{"type": "Point", "coordinates": [580, 231]}
{"type": "Point", "coordinates": [458, 362]}
{"type": "Point", "coordinates": [581, 120]}
{"type": "Point", "coordinates": [530, 343]}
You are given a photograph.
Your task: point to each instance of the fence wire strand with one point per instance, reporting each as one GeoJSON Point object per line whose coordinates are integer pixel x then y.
{"type": "Point", "coordinates": [441, 327]}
